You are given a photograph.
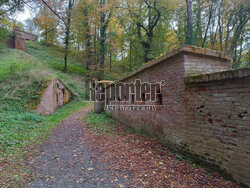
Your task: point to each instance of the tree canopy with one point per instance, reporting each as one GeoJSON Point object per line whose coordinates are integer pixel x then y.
{"type": "Point", "coordinates": [117, 36]}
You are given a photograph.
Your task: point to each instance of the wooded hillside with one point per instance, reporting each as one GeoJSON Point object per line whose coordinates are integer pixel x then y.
{"type": "Point", "coordinates": [116, 37]}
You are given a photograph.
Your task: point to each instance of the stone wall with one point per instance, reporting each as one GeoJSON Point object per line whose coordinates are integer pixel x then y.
{"type": "Point", "coordinates": [207, 116]}
{"type": "Point", "coordinates": [56, 95]}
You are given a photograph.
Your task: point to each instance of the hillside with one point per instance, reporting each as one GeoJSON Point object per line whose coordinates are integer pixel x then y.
{"type": "Point", "coordinates": [22, 76]}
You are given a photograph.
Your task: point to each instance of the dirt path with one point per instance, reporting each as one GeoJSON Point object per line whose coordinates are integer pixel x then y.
{"type": "Point", "coordinates": [75, 156]}
{"type": "Point", "coordinates": [66, 159]}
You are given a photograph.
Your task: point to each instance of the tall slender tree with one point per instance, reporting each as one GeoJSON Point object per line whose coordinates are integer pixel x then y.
{"type": "Point", "coordinates": [190, 33]}
{"type": "Point", "coordinates": [104, 21]}
{"type": "Point", "coordinates": [67, 33]}
{"type": "Point", "coordinates": [150, 11]}
{"type": "Point", "coordinates": [87, 35]}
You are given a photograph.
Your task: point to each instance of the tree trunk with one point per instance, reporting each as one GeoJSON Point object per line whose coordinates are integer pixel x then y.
{"type": "Point", "coordinates": [198, 31]}
{"type": "Point", "coordinates": [66, 50]}
{"type": "Point", "coordinates": [220, 33]}
{"type": "Point", "coordinates": [67, 34]}
{"type": "Point", "coordinates": [228, 31]}
{"type": "Point", "coordinates": [110, 55]}
{"type": "Point", "coordinates": [87, 38]}
{"type": "Point", "coordinates": [96, 50]}
{"type": "Point", "coordinates": [46, 36]}
{"type": "Point", "coordinates": [238, 32]}
{"type": "Point", "coordinates": [220, 24]}
{"type": "Point", "coordinates": [103, 38]}
{"type": "Point", "coordinates": [190, 23]}
{"type": "Point", "coordinates": [102, 45]}
{"type": "Point", "coordinates": [130, 56]}
{"type": "Point", "coordinates": [208, 24]}
{"type": "Point", "coordinates": [147, 48]}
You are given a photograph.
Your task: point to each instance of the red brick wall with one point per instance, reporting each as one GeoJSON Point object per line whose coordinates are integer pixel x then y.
{"type": "Point", "coordinates": [208, 118]}
{"type": "Point", "coordinates": [200, 64]}
{"type": "Point", "coordinates": [217, 124]}
{"type": "Point", "coordinates": [20, 44]}
{"type": "Point", "coordinates": [20, 37]}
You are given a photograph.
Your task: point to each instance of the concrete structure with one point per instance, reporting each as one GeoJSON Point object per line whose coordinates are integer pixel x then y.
{"type": "Point", "coordinates": [99, 103]}
{"type": "Point", "coordinates": [204, 110]}
{"type": "Point", "coordinates": [20, 37]}
{"type": "Point", "coordinates": [56, 95]}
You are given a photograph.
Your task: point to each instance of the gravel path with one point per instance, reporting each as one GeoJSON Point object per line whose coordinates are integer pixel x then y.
{"type": "Point", "coordinates": [75, 156]}
{"type": "Point", "coordinates": [68, 160]}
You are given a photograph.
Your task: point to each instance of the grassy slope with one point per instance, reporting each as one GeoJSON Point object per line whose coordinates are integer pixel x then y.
{"type": "Point", "coordinates": [22, 75]}
{"type": "Point", "coordinates": [53, 58]}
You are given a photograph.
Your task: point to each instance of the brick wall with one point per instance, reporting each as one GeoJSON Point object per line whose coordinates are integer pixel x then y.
{"type": "Point", "coordinates": [20, 37]}
{"type": "Point", "coordinates": [218, 118]}
{"type": "Point", "coordinates": [207, 116]}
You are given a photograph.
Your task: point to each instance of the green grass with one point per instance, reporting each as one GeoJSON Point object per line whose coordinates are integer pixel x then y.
{"type": "Point", "coordinates": [12, 60]}
{"type": "Point", "coordinates": [22, 76]}
{"type": "Point", "coordinates": [53, 57]}
{"type": "Point", "coordinates": [104, 124]}
{"type": "Point", "coordinates": [101, 123]}
{"type": "Point", "coordinates": [18, 127]}
{"type": "Point", "coordinates": [34, 68]}
{"type": "Point", "coordinates": [23, 131]}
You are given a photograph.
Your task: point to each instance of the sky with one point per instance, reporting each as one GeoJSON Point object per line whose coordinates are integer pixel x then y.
{"type": "Point", "coordinates": [21, 16]}
{"type": "Point", "coordinates": [24, 15]}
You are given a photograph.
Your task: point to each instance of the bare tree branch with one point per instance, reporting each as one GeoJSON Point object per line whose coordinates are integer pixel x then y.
{"type": "Point", "coordinates": [158, 15]}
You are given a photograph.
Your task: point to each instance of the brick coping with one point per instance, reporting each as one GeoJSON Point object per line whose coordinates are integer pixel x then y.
{"type": "Point", "coordinates": [183, 48]}
{"type": "Point", "coordinates": [230, 74]}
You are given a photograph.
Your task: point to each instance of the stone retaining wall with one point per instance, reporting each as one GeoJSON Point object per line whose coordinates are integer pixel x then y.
{"type": "Point", "coordinates": [56, 95]}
